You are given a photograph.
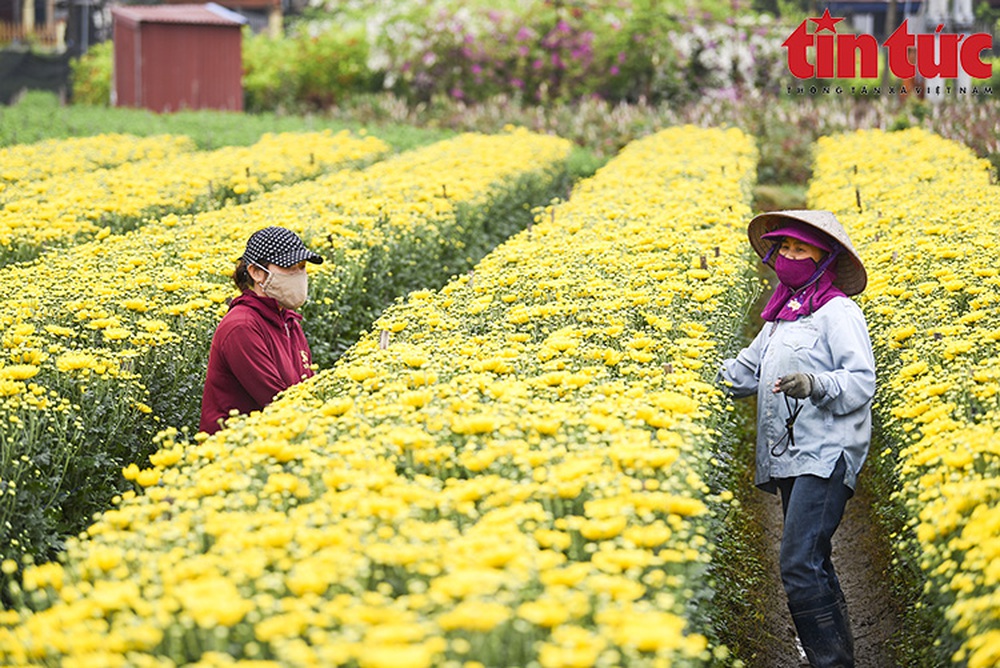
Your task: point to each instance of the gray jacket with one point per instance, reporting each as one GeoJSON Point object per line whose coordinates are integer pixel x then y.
{"type": "Point", "coordinates": [833, 345]}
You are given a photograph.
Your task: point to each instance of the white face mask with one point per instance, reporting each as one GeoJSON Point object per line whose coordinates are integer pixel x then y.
{"type": "Point", "coordinates": [289, 290]}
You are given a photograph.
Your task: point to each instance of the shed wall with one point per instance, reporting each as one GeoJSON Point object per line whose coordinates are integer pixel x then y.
{"type": "Point", "coordinates": [191, 67]}
{"type": "Point", "coordinates": [125, 92]}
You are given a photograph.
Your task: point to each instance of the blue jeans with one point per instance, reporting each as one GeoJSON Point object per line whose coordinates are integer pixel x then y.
{"type": "Point", "coordinates": [813, 508]}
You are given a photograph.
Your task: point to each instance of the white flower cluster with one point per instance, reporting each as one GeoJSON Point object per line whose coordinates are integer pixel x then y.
{"type": "Point", "coordinates": [746, 52]}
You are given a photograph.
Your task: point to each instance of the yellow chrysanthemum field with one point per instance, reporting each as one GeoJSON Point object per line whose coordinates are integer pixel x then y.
{"type": "Point", "coordinates": [107, 341]}
{"type": "Point", "coordinates": [26, 168]}
{"type": "Point", "coordinates": [530, 465]}
{"type": "Point", "coordinates": [79, 201]}
{"type": "Point", "coordinates": [511, 469]}
{"type": "Point", "coordinates": [923, 212]}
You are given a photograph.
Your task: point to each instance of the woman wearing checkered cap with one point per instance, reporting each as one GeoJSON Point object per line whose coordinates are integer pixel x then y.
{"type": "Point", "coordinates": [259, 348]}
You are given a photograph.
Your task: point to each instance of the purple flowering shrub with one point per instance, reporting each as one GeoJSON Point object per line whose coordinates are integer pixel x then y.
{"type": "Point", "coordinates": [533, 51]}
{"type": "Point", "coordinates": [543, 51]}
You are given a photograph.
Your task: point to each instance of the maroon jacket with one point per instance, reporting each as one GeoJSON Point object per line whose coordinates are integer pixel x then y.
{"type": "Point", "coordinates": [257, 351]}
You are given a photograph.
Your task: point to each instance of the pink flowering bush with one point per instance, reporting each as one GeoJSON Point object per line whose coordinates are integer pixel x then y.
{"type": "Point", "coordinates": [559, 51]}
{"type": "Point", "coordinates": [536, 51]}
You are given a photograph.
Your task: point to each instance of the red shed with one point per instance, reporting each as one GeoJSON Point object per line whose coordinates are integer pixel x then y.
{"type": "Point", "coordinates": [171, 57]}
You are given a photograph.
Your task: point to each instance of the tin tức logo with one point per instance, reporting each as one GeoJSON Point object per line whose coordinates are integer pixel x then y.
{"type": "Point", "coordinates": [845, 56]}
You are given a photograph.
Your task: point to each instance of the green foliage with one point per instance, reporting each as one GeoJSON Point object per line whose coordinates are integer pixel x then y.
{"type": "Point", "coordinates": [583, 163]}
{"type": "Point", "coordinates": [557, 52]}
{"type": "Point", "coordinates": [38, 115]}
{"type": "Point", "coordinates": [775, 197]}
{"type": "Point", "coordinates": [538, 51]}
{"type": "Point", "coordinates": [63, 464]}
{"type": "Point", "coordinates": [268, 79]}
{"type": "Point", "coordinates": [745, 589]}
{"type": "Point", "coordinates": [332, 65]}
{"type": "Point", "coordinates": [987, 13]}
{"type": "Point", "coordinates": [308, 71]}
{"type": "Point", "coordinates": [994, 62]}
{"type": "Point", "coordinates": [91, 75]}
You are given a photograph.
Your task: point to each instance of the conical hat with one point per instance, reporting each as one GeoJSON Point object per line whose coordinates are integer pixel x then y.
{"type": "Point", "coordinates": [851, 275]}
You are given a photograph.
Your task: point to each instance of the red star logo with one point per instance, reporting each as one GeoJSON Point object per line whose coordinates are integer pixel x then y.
{"type": "Point", "coordinates": [826, 22]}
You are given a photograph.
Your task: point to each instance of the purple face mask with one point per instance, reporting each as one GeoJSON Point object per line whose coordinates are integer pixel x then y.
{"type": "Point", "coordinates": [794, 273]}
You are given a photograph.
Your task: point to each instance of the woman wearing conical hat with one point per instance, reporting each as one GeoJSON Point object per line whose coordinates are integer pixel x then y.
{"type": "Point", "coordinates": [813, 371]}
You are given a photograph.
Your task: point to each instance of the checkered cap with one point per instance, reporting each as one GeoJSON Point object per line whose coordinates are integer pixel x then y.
{"type": "Point", "coordinates": [277, 245]}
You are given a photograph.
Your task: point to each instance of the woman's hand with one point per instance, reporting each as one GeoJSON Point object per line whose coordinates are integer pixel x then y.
{"type": "Point", "coordinates": [795, 385]}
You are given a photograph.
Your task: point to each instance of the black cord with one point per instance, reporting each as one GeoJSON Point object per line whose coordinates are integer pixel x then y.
{"type": "Point", "coordinates": [789, 438]}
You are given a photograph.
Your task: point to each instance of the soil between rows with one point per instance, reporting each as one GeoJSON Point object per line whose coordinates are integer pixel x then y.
{"type": "Point", "coordinates": [860, 555]}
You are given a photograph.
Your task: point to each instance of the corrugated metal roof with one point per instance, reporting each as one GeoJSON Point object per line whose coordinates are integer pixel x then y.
{"type": "Point", "coordinates": [208, 14]}
{"type": "Point", "coordinates": [245, 4]}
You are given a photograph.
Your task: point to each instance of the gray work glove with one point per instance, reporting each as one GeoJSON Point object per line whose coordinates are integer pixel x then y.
{"type": "Point", "coordinates": [796, 385]}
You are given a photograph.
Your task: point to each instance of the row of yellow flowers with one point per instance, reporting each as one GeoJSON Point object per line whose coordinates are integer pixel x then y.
{"type": "Point", "coordinates": [513, 470]}
{"type": "Point", "coordinates": [23, 166]}
{"type": "Point", "coordinates": [79, 205]}
{"type": "Point", "coordinates": [87, 375]}
{"type": "Point", "coordinates": [924, 215]}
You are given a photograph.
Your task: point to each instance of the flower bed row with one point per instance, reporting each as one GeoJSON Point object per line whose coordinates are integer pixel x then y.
{"type": "Point", "coordinates": [512, 469]}
{"type": "Point", "coordinates": [25, 164]}
{"type": "Point", "coordinates": [924, 216]}
{"type": "Point", "coordinates": [78, 206]}
{"type": "Point", "coordinates": [88, 376]}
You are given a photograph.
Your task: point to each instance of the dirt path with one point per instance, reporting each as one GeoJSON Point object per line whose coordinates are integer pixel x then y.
{"type": "Point", "coordinates": [859, 554]}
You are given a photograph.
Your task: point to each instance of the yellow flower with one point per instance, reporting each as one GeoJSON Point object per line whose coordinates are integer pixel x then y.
{"type": "Point", "coordinates": [9, 388]}
{"type": "Point", "coordinates": [148, 477]}
{"type": "Point", "coordinates": [360, 373]}
{"type": "Point", "coordinates": [396, 656]}
{"type": "Point", "coordinates": [139, 305]}
{"type": "Point", "coordinates": [57, 330]}
{"type": "Point", "coordinates": [914, 369]}
{"type": "Point", "coordinates": [985, 650]}
{"type": "Point", "coordinates": [116, 333]}
{"type": "Point", "coordinates": [164, 458]}
{"type": "Point", "coordinates": [414, 360]}
{"type": "Point", "coordinates": [603, 529]}
{"type": "Point", "coordinates": [474, 424]}
{"type": "Point", "coordinates": [582, 652]}
{"type": "Point", "coordinates": [546, 612]}
{"type": "Point", "coordinates": [213, 601]}
{"type": "Point", "coordinates": [73, 361]}
{"type": "Point", "coordinates": [337, 406]}
{"type": "Point", "coordinates": [19, 372]}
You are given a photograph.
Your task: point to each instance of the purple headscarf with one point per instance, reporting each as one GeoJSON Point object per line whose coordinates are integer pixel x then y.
{"type": "Point", "coordinates": [791, 304]}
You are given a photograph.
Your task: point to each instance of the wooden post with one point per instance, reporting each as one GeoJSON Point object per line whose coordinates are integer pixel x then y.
{"type": "Point", "coordinates": [28, 17]}
{"type": "Point", "coordinates": [275, 20]}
